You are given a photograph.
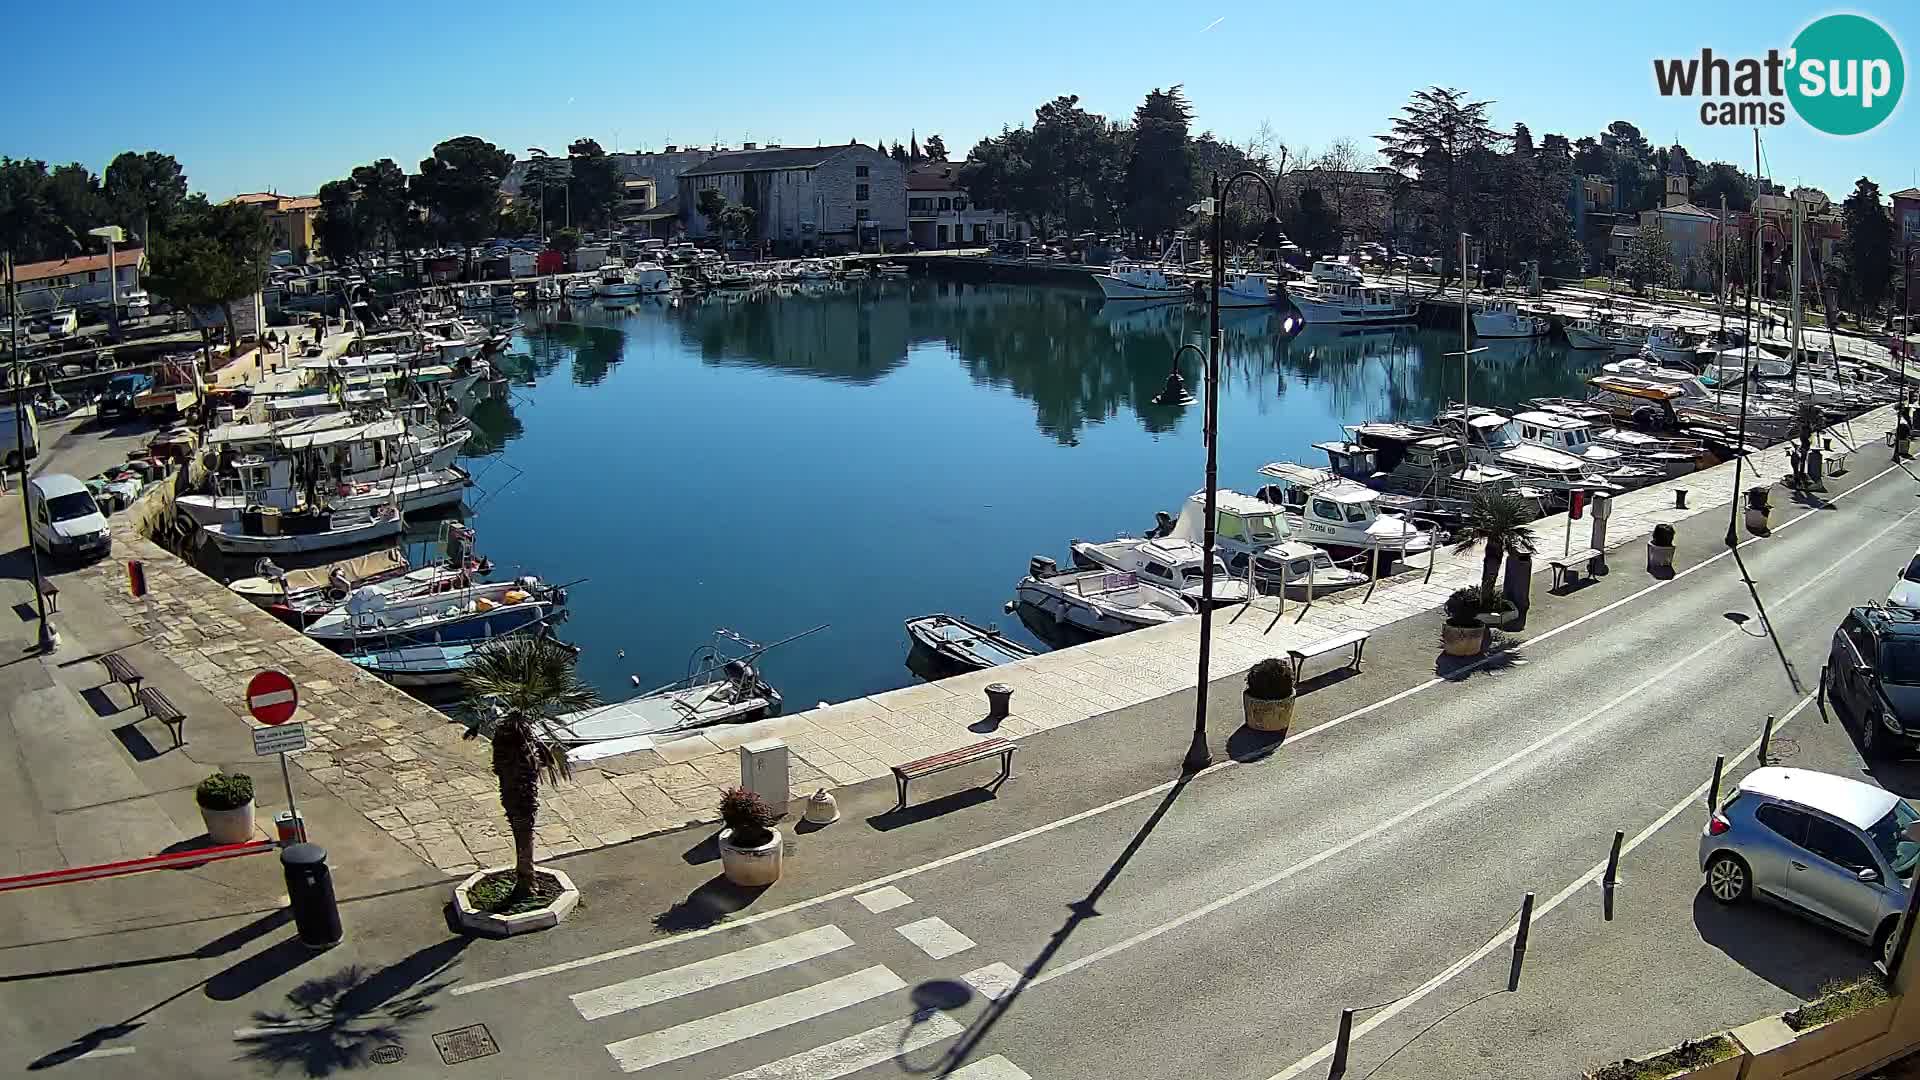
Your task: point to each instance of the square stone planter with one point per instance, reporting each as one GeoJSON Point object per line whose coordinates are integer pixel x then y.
{"type": "Point", "coordinates": [1727, 1068]}
{"type": "Point", "coordinates": [527, 921]}
{"type": "Point", "coordinates": [1848, 1043]}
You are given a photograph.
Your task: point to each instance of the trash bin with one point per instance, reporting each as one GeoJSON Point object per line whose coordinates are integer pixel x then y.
{"type": "Point", "coordinates": [316, 914]}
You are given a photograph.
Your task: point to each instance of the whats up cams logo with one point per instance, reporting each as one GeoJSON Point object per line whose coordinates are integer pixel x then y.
{"type": "Point", "coordinates": [1842, 75]}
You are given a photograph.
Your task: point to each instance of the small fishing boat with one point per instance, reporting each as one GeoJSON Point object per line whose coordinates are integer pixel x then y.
{"type": "Point", "coordinates": [273, 585]}
{"type": "Point", "coordinates": [723, 685]}
{"type": "Point", "coordinates": [580, 288]}
{"type": "Point", "coordinates": [371, 619]}
{"type": "Point", "coordinates": [1504, 319]}
{"type": "Point", "coordinates": [1137, 281]}
{"type": "Point", "coordinates": [963, 645]}
{"type": "Point", "coordinates": [267, 531]}
{"type": "Point", "coordinates": [425, 667]}
{"type": "Point", "coordinates": [1099, 602]}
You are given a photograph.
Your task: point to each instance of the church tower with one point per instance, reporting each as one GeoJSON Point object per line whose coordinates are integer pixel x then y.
{"type": "Point", "coordinates": [1679, 188]}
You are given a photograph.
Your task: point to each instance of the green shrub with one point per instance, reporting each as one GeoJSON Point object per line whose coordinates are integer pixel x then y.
{"type": "Point", "coordinates": [1271, 680]}
{"type": "Point", "coordinates": [749, 816]}
{"type": "Point", "coordinates": [1838, 1000]}
{"type": "Point", "coordinates": [224, 791]}
{"type": "Point", "coordinates": [1463, 605]}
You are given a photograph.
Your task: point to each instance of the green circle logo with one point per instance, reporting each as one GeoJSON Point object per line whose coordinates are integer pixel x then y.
{"type": "Point", "coordinates": [1847, 74]}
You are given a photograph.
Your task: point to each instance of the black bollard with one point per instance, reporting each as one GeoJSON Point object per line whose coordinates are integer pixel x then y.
{"type": "Point", "coordinates": [316, 914]}
{"type": "Point", "coordinates": [1680, 498]}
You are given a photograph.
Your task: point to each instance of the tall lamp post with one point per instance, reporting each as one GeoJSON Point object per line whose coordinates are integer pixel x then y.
{"type": "Point", "coordinates": [49, 637]}
{"type": "Point", "coordinates": [1907, 336]}
{"type": "Point", "coordinates": [112, 234]}
{"type": "Point", "coordinates": [1746, 377]}
{"type": "Point", "coordinates": [541, 155]}
{"type": "Point", "coordinates": [1198, 756]}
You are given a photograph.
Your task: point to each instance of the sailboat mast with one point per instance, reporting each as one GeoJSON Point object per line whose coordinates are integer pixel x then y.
{"type": "Point", "coordinates": [1796, 288]}
{"type": "Point", "coordinates": [1466, 355]}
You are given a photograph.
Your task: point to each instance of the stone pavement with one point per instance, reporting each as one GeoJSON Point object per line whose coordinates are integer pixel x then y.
{"type": "Point", "coordinates": [409, 769]}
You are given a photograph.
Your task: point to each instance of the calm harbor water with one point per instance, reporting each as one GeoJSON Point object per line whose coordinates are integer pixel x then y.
{"type": "Point", "coordinates": [860, 454]}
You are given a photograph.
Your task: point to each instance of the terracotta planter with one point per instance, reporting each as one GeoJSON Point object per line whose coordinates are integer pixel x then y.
{"type": "Point", "coordinates": [751, 865]}
{"type": "Point", "coordinates": [1659, 558]}
{"type": "Point", "coordinates": [1264, 714]}
{"type": "Point", "coordinates": [233, 826]}
{"type": "Point", "coordinates": [1462, 640]}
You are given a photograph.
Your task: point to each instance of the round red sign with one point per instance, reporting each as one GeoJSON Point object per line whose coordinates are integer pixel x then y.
{"type": "Point", "coordinates": [271, 697]}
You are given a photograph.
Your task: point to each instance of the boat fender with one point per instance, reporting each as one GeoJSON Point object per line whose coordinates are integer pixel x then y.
{"type": "Point", "coordinates": [1041, 566]}
{"type": "Point", "coordinates": [560, 597]}
{"type": "Point", "coordinates": [1007, 607]}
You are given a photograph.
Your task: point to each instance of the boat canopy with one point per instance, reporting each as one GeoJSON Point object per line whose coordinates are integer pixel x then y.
{"type": "Point", "coordinates": [1640, 388]}
{"type": "Point", "coordinates": [379, 429]}
{"type": "Point", "coordinates": [264, 432]}
{"type": "Point", "coordinates": [1297, 474]}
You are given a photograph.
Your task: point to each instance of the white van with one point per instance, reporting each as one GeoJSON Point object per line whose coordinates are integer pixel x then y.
{"type": "Point", "coordinates": [64, 520]}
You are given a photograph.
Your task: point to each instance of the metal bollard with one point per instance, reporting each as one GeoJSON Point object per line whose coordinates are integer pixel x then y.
{"type": "Point", "coordinates": [1713, 789]}
{"type": "Point", "coordinates": [999, 700]}
{"type": "Point", "coordinates": [1766, 740]}
{"type": "Point", "coordinates": [1612, 877]}
{"type": "Point", "coordinates": [316, 914]}
{"type": "Point", "coordinates": [1340, 1043]}
{"type": "Point", "coordinates": [1520, 943]}
{"type": "Point", "coordinates": [1680, 498]}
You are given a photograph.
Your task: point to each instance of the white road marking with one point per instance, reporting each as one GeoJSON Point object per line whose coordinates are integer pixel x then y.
{"type": "Point", "coordinates": [991, 1068]}
{"type": "Point", "coordinates": [1431, 801]}
{"type": "Point", "coordinates": [856, 1052]}
{"type": "Point", "coordinates": [1696, 799]}
{"type": "Point", "coordinates": [883, 899]}
{"type": "Point", "coordinates": [993, 980]}
{"type": "Point", "coordinates": [772, 1014]}
{"type": "Point", "coordinates": [936, 938]}
{"type": "Point", "coordinates": [711, 972]}
{"type": "Point", "coordinates": [1084, 815]}
{"type": "Point", "coordinates": [105, 1052]}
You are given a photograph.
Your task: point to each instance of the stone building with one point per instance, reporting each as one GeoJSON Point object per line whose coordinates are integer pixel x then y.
{"type": "Point", "coordinates": [940, 214]}
{"type": "Point", "coordinates": [806, 198]}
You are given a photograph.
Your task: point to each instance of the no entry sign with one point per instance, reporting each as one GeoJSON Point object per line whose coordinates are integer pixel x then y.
{"type": "Point", "coordinates": [271, 697]}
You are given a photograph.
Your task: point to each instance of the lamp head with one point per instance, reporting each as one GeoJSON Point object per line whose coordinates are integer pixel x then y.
{"type": "Point", "coordinates": [1175, 392]}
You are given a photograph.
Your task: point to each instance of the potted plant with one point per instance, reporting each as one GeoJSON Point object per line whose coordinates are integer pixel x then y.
{"type": "Point", "coordinates": [1269, 696]}
{"type": "Point", "coordinates": [226, 805]}
{"type": "Point", "coordinates": [1497, 522]}
{"type": "Point", "coordinates": [750, 846]}
{"type": "Point", "coordinates": [1660, 548]}
{"type": "Point", "coordinates": [1463, 634]}
{"type": "Point", "coordinates": [1759, 505]}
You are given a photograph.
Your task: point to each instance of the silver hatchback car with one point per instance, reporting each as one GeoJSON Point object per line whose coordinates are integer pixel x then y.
{"type": "Point", "coordinates": [1834, 850]}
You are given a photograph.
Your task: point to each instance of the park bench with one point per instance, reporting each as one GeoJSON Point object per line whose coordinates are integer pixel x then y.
{"type": "Point", "coordinates": [1355, 640]}
{"type": "Point", "coordinates": [121, 670]}
{"type": "Point", "coordinates": [1570, 565]}
{"type": "Point", "coordinates": [160, 707]}
{"type": "Point", "coordinates": [953, 759]}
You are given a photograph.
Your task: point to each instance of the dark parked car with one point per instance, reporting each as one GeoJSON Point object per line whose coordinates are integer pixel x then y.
{"type": "Point", "coordinates": [1873, 677]}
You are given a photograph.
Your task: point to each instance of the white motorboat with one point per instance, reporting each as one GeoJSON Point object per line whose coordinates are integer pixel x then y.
{"type": "Point", "coordinates": [547, 291]}
{"type": "Point", "coordinates": [1246, 529]}
{"type": "Point", "coordinates": [650, 279]}
{"type": "Point", "coordinates": [580, 288]}
{"type": "Point", "coordinates": [1303, 571]}
{"type": "Point", "coordinates": [1672, 344]}
{"type": "Point", "coordinates": [269, 532]}
{"type": "Point", "coordinates": [1343, 515]}
{"type": "Point", "coordinates": [1335, 302]}
{"type": "Point", "coordinates": [252, 485]}
{"type": "Point", "coordinates": [1250, 290]}
{"type": "Point", "coordinates": [273, 586]}
{"type": "Point", "coordinates": [1140, 281]}
{"type": "Point", "coordinates": [1567, 434]}
{"type": "Point", "coordinates": [1651, 367]}
{"type": "Point", "coordinates": [613, 282]}
{"type": "Point", "coordinates": [1166, 561]}
{"type": "Point", "coordinates": [1489, 438]}
{"type": "Point", "coordinates": [1334, 271]}
{"type": "Point", "coordinates": [424, 667]}
{"type": "Point", "coordinates": [1504, 319]}
{"type": "Point", "coordinates": [1099, 602]}
{"type": "Point", "coordinates": [1605, 333]}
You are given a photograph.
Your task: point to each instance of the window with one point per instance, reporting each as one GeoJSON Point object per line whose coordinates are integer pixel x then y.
{"type": "Point", "coordinates": [1323, 508]}
{"type": "Point", "coordinates": [74, 504]}
{"type": "Point", "coordinates": [861, 214]}
{"type": "Point", "coordinates": [1000, 233]}
{"type": "Point", "coordinates": [860, 192]}
{"type": "Point", "coordinates": [1889, 836]}
{"type": "Point", "coordinates": [1856, 632]}
{"type": "Point", "coordinates": [860, 170]}
{"type": "Point", "coordinates": [1156, 570]}
{"type": "Point", "coordinates": [1900, 661]}
{"type": "Point", "coordinates": [1299, 569]}
{"type": "Point", "coordinates": [1356, 512]}
{"type": "Point", "coordinates": [1837, 844]}
{"type": "Point", "coordinates": [1790, 824]}
{"type": "Point", "coordinates": [959, 204]}
{"type": "Point", "coordinates": [93, 277]}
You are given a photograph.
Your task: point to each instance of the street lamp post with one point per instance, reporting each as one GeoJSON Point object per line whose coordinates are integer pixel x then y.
{"type": "Point", "coordinates": [49, 637]}
{"type": "Point", "coordinates": [1198, 755]}
{"type": "Point", "coordinates": [1746, 378]}
{"type": "Point", "coordinates": [112, 234]}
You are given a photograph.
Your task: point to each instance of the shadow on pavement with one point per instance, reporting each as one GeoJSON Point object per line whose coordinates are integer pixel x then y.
{"type": "Point", "coordinates": [1088, 907]}
{"type": "Point", "coordinates": [333, 1021]}
{"type": "Point", "coordinates": [1793, 677]}
{"type": "Point", "coordinates": [1788, 952]}
{"type": "Point", "coordinates": [1503, 653]}
{"type": "Point", "coordinates": [711, 903]}
{"type": "Point", "coordinates": [1247, 745]}
{"type": "Point", "coordinates": [932, 808]}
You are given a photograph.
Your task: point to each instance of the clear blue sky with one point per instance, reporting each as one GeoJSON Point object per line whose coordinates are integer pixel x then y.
{"type": "Point", "coordinates": [286, 96]}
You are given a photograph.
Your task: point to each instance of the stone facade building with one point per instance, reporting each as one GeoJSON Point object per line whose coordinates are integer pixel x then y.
{"type": "Point", "coordinates": [806, 198]}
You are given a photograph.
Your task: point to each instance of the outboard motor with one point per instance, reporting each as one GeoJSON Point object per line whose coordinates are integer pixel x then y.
{"type": "Point", "coordinates": [1162, 525]}
{"type": "Point", "coordinates": [1041, 566]}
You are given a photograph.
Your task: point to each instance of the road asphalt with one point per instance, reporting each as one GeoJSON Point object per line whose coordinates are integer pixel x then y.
{"type": "Point", "coordinates": [1100, 916]}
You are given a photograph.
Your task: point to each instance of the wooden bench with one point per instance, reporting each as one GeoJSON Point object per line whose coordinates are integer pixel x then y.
{"type": "Point", "coordinates": [952, 759]}
{"type": "Point", "coordinates": [1569, 565]}
{"type": "Point", "coordinates": [160, 707]}
{"type": "Point", "coordinates": [121, 670]}
{"type": "Point", "coordinates": [1356, 640]}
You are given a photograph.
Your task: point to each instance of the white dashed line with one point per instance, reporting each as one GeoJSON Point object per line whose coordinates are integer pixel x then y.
{"type": "Point", "coordinates": [936, 938]}
{"type": "Point", "coordinates": [885, 899]}
{"type": "Point", "coordinates": [993, 980]}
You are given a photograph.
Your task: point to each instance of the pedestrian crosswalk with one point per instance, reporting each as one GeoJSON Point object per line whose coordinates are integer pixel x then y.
{"type": "Point", "coordinates": [813, 991]}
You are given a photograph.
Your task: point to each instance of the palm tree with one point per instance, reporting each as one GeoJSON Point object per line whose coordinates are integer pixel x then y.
{"type": "Point", "coordinates": [1498, 521]}
{"type": "Point", "coordinates": [531, 680]}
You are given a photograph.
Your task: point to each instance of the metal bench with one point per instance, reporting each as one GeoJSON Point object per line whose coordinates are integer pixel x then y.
{"type": "Point", "coordinates": [1569, 565]}
{"type": "Point", "coordinates": [160, 707]}
{"type": "Point", "coordinates": [965, 755]}
{"type": "Point", "coordinates": [1356, 640]}
{"type": "Point", "coordinates": [121, 670]}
